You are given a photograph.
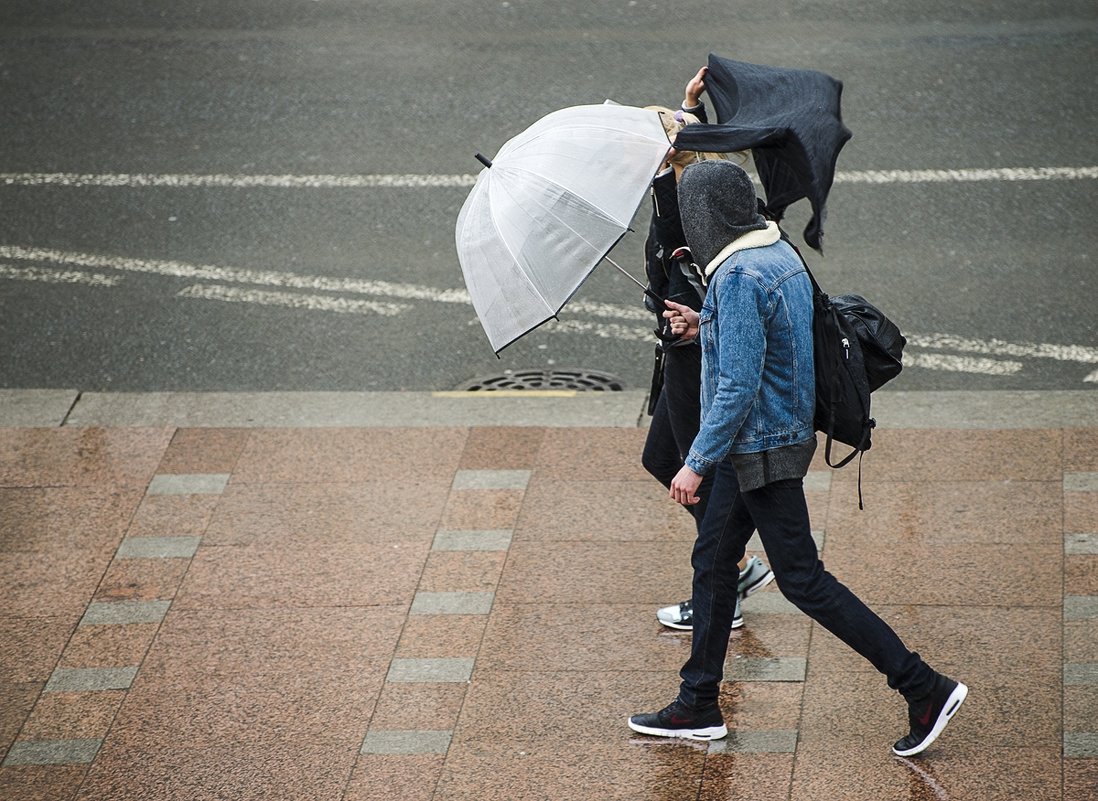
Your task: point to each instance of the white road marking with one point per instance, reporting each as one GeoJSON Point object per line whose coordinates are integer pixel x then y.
{"type": "Point", "coordinates": [58, 276]}
{"type": "Point", "coordinates": [412, 181]}
{"type": "Point", "coordinates": [984, 358]}
{"type": "Point", "coordinates": [266, 297]}
{"type": "Point", "coordinates": [961, 364]}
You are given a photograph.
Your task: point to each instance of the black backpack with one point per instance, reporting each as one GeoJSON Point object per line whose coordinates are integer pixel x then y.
{"type": "Point", "coordinates": [857, 349]}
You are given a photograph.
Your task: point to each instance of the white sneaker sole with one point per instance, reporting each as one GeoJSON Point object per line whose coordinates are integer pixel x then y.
{"type": "Point", "coordinates": [952, 704]}
{"type": "Point", "coordinates": [758, 585]}
{"type": "Point", "coordinates": [708, 733]}
{"type": "Point", "coordinates": [737, 623]}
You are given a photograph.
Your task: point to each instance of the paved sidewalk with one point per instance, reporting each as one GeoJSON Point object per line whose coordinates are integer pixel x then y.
{"type": "Point", "coordinates": [426, 597]}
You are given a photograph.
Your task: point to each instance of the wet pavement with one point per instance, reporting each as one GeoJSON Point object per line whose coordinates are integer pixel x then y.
{"type": "Point", "coordinates": [425, 597]}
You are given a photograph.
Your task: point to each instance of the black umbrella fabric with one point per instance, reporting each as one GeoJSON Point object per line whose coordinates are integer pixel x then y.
{"type": "Point", "coordinates": [790, 120]}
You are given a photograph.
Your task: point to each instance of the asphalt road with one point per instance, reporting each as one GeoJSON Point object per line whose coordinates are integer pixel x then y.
{"type": "Point", "coordinates": [146, 276]}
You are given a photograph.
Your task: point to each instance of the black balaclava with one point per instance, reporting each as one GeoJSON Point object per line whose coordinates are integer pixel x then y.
{"type": "Point", "coordinates": [717, 203]}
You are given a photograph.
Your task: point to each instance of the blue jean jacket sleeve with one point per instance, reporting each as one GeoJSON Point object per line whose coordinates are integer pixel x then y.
{"type": "Point", "coordinates": [734, 330]}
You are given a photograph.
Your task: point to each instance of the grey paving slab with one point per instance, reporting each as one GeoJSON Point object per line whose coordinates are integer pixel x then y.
{"type": "Point", "coordinates": [109, 613]}
{"type": "Point", "coordinates": [1080, 544]}
{"type": "Point", "coordinates": [740, 741]}
{"type": "Point", "coordinates": [35, 408]}
{"type": "Point", "coordinates": [491, 479]}
{"type": "Point", "coordinates": [1080, 482]}
{"type": "Point", "coordinates": [77, 680]}
{"type": "Point", "coordinates": [406, 742]}
{"type": "Point", "coordinates": [1081, 745]}
{"type": "Point", "coordinates": [52, 752]}
{"type": "Point", "coordinates": [784, 668]}
{"type": "Point", "coordinates": [188, 484]}
{"type": "Point", "coordinates": [770, 602]}
{"type": "Point", "coordinates": [1080, 673]}
{"type": "Point", "coordinates": [158, 548]}
{"type": "Point", "coordinates": [1080, 607]}
{"type": "Point", "coordinates": [993, 409]}
{"type": "Point", "coordinates": [452, 603]}
{"type": "Point", "coordinates": [472, 540]}
{"type": "Point", "coordinates": [430, 670]}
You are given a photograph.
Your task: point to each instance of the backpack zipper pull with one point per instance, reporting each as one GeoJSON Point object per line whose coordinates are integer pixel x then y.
{"type": "Point", "coordinates": [846, 349]}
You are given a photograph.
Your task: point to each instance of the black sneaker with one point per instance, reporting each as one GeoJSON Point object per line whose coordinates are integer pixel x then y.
{"type": "Point", "coordinates": [679, 720]}
{"type": "Point", "coordinates": [929, 716]}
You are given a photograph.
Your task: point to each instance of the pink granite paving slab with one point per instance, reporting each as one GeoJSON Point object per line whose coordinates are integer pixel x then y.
{"type": "Point", "coordinates": [596, 572]}
{"type": "Point", "coordinates": [590, 637]}
{"type": "Point", "coordinates": [173, 516]}
{"type": "Point", "coordinates": [203, 450]}
{"type": "Point", "coordinates": [303, 576]}
{"type": "Point", "coordinates": [18, 701]}
{"type": "Point", "coordinates": [124, 457]}
{"type": "Point", "coordinates": [142, 579]}
{"type": "Point", "coordinates": [387, 777]}
{"type": "Point", "coordinates": [973, 773]}
{"type": "Point", "coordinates": [978, 644]}
{"type": "Point", "coordinates": [48, 519]}
{"type": "Point", "coordinates": [334, 455]}
{"type": "Point", "coordinates": [609, 510]}
{"type": "Point", "coordinates": [50, 584]}
{"type": "Point", "coordinates": [195, 644]}
{"type": "Point", "coordinates": [313, 707]}
{"type": "Point", "coordinates": [1080, 779]}
{"type": "Point", "coordinates": [72, 716]}
{"type": "Point", "coordinates": [502, 447]}
{"type": "Point", "coordinates": [913, 571]}
{"type": "Point", "coordinates": [108, 645]}
{"type": "Point", "coordinates": [1080, 450]}
{"type": "Point", "coordinates": [289, 770]}
{"type": "Point", "coordinates": [598, 769]}
{"type": "Point", "coordinates": [279, 515]}
{"type": "Point", "coordinates": [441, 636]}
{"type": "Point", "coordinates": [1081, 511]}
{"type": "Point", "coordinates": [462, 571]}
{"type": "Point", "coordinates": [746, 777]}
{"type": "Point", "coordinates": [482, 509]}
{"type": "Point", "coordinates": [1081, 574]}
{"type": "Point", "coordinates": [1081, 640]}
{"type": "Point", "coordinates": [32, 646]}
{"type": "Point", "coordinates": [419, 706]}
{"type": "Point", "coordinates": [593, 454]}
{"type": "Point", "coordinates": [948, 512]}
{"type": "Point", "coordinates": [959, 455]}
{"type": "Point", "coordinates": [40, 782]}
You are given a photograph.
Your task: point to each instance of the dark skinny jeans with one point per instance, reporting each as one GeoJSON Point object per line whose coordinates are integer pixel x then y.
{"type": "Point", "coordinates": [780, 513]}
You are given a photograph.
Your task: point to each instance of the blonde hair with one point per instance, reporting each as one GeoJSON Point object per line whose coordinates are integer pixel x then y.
{"type": "Point", "coordinates": [673, 122]}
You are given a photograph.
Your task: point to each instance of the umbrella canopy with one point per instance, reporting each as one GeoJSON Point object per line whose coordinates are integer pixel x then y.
{"type": "Point", "coordinates": [554, 201]}
{"type": "Point", "coordinates": [789, 119]}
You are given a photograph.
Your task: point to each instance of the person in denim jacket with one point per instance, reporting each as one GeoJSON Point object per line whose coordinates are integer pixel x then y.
{"type": "Point", "coordinates": [757, 439]}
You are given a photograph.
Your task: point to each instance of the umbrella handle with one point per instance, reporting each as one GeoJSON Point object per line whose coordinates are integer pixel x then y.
{"type": "Point", "coordinates": [483, 160]}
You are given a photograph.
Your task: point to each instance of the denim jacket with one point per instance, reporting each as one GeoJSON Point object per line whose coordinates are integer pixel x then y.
{"type": "Point", "coordinates": [758, 384]}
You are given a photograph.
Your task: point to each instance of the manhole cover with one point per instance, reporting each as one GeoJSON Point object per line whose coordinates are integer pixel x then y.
{"type": "Point", "coordinates": [546, 379]}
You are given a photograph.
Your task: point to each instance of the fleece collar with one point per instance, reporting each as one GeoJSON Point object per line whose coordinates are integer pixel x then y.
{"type": "Point", "coordinates": [752, 239]}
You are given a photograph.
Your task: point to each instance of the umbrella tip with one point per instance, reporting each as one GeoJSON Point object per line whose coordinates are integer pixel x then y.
{"type": "Point", "coordinates": [483, 160]}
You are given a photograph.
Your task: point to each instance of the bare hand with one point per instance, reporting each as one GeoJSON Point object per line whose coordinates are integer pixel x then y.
{"type": "Point", "coordinates": [694, 87]}
{"type": "Point", "coordinates": [684, 487]}
{"type": "Point", "coordinates": [682, 320]}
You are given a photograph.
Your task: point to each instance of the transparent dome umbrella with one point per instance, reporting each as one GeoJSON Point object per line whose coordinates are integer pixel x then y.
{"type": "Point", "coordinates": [549, 208]}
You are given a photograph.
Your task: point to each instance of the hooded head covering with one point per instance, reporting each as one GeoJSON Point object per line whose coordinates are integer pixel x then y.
{"type": "Point", "coordinates": [717, 204]}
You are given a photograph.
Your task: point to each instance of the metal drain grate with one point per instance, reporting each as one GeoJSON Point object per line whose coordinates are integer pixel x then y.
{"type": "Point", "coordinates": [586, 380]}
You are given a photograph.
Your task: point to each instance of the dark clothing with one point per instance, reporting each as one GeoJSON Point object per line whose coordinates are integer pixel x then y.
{"type": "Point", "coordinates": [791, 122]}
{"type": "Point", "coordinates": [780, 514]}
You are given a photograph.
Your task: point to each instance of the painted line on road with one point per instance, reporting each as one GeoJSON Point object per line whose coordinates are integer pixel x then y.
{"type": "Point", "coordinates": [412, 181]}
{"type": "Point", "coordinates": [58, 276]}
{"type": "Point", "coordinates": [267, 297]}
{"type": "Point", "coordinates": [991, 349]}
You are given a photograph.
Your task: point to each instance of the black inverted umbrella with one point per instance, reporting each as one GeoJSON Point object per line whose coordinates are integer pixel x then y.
{"type": "Point", "coordinates": [790, 120]}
